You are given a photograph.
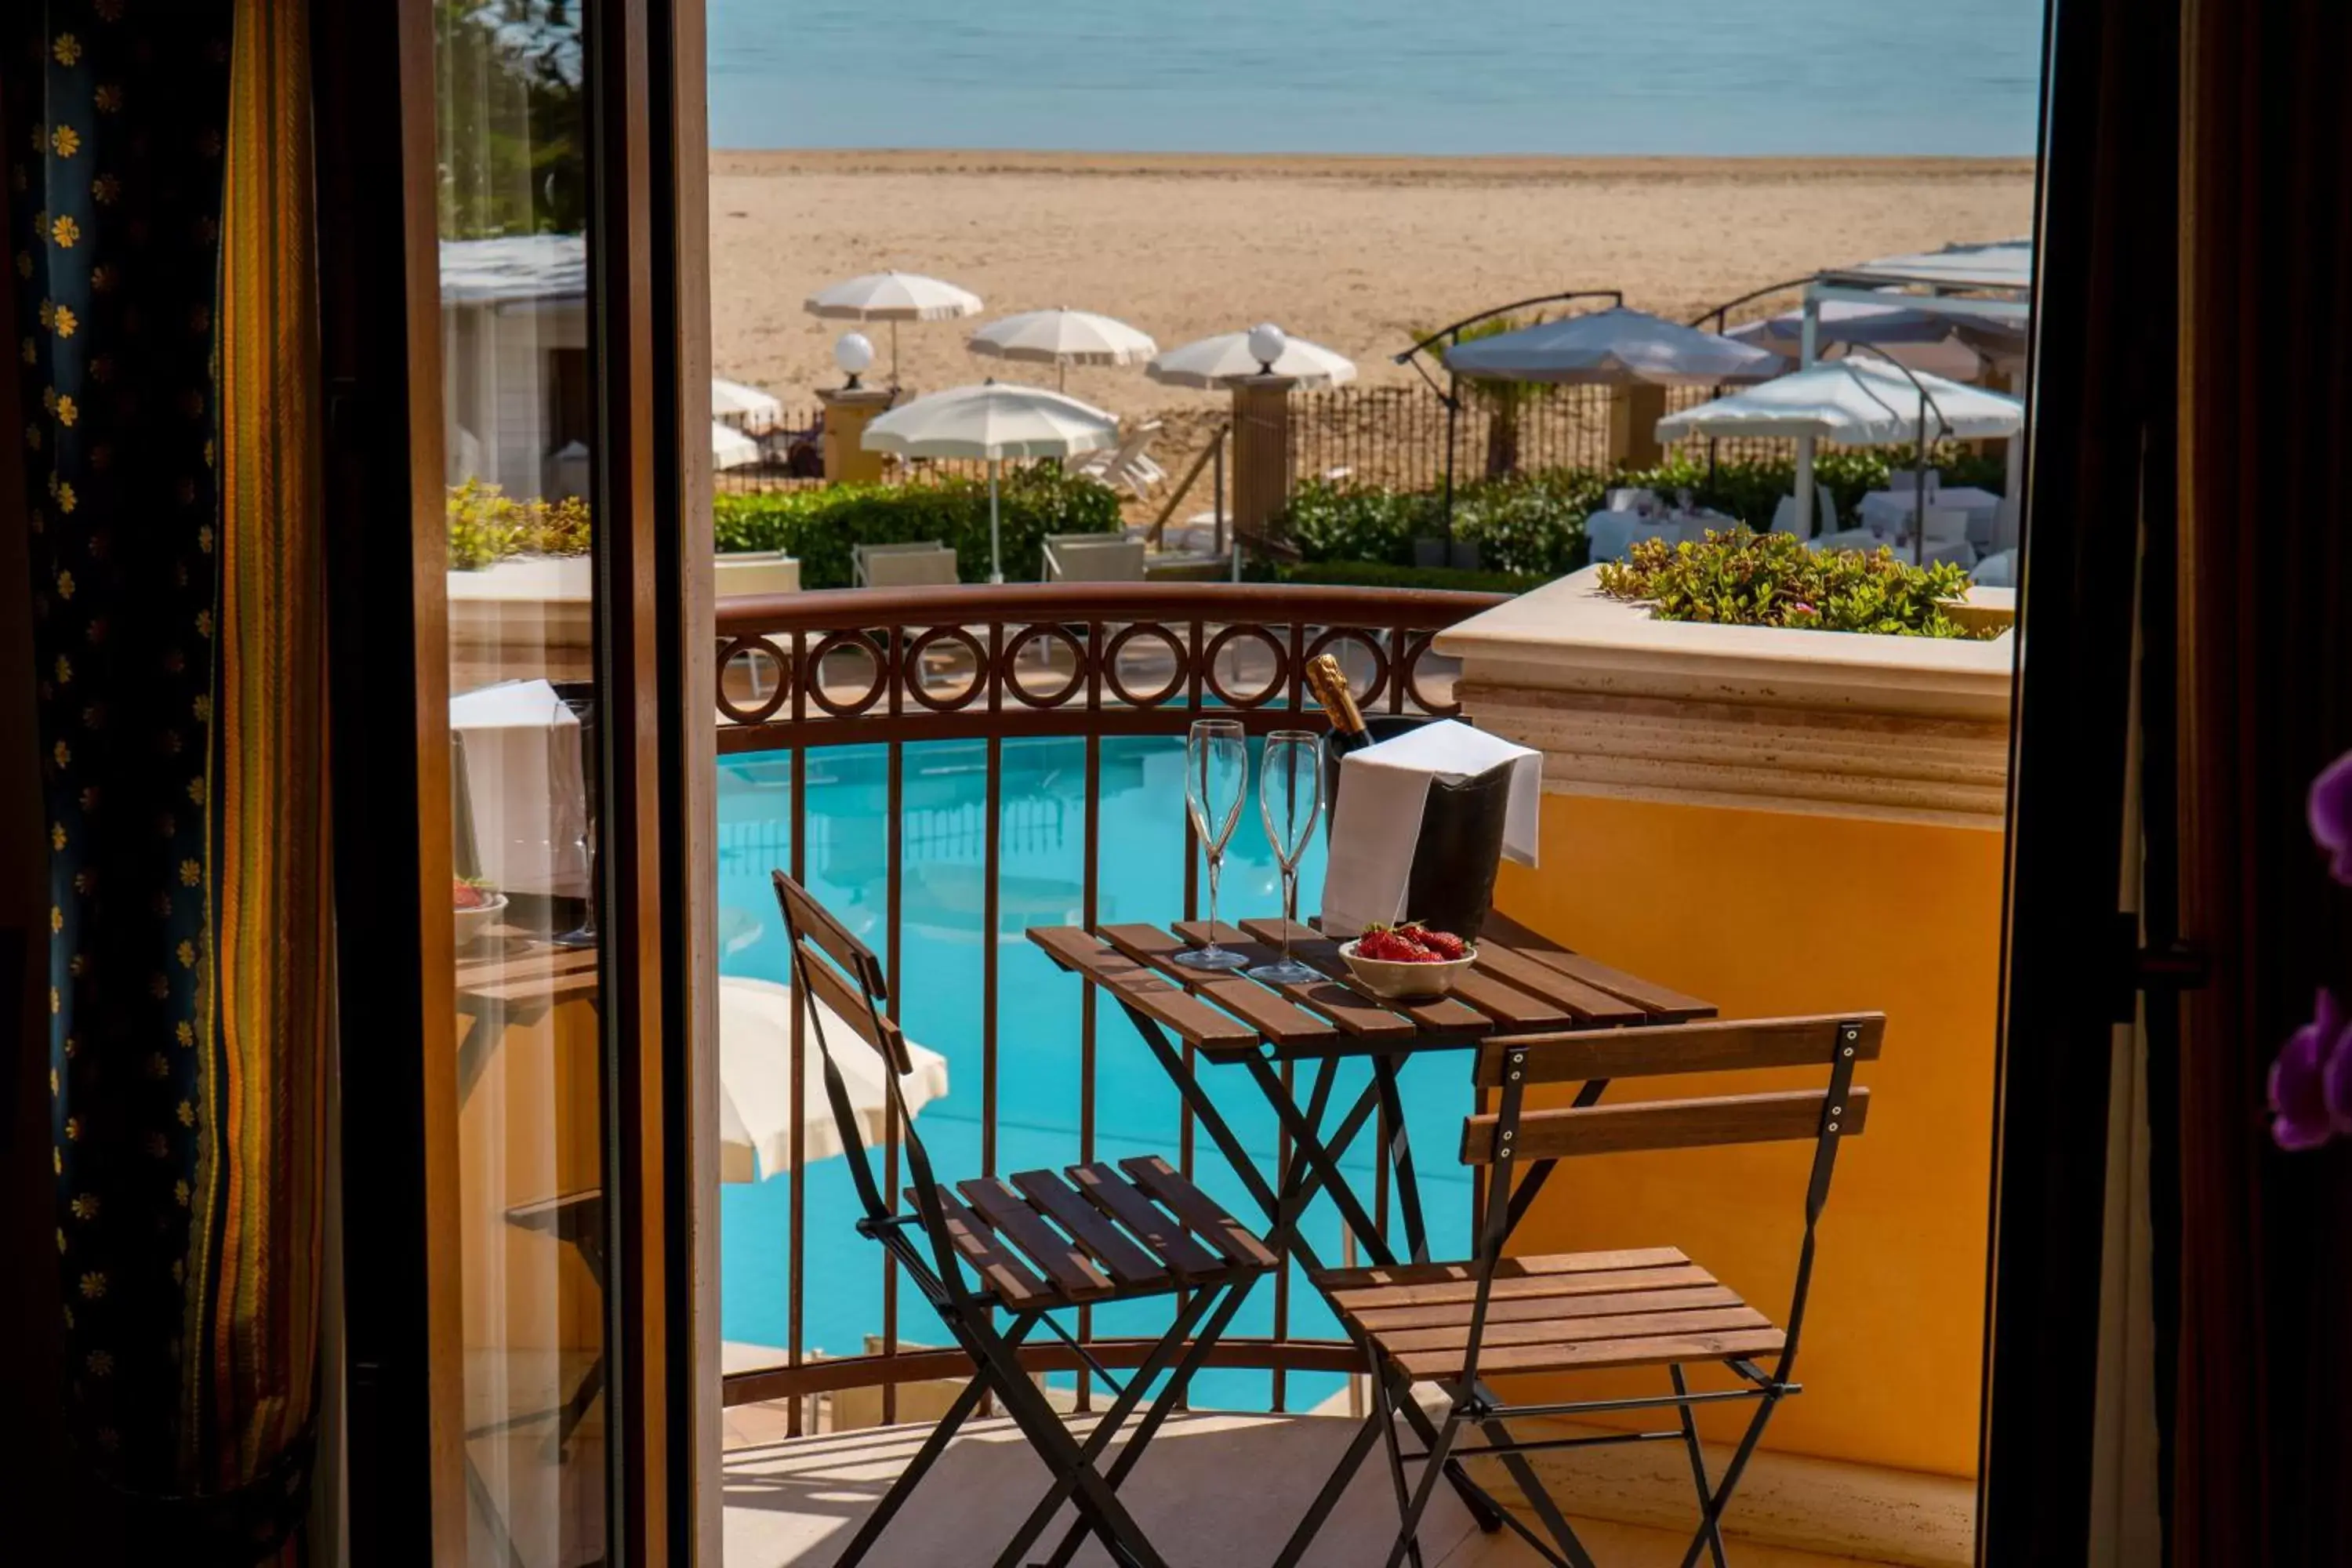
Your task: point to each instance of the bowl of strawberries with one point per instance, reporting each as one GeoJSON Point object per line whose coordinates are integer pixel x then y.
{"type": "Point", "coordinates": [477, 906]}
{"type": "Point", "coordinates": [1408, 962]}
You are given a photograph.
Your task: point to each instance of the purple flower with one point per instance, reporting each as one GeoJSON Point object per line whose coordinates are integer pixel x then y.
{"type": "Point", "coordinates": [2331, 815]}
{"type": "Point", "coordinates": [2311, 1082]}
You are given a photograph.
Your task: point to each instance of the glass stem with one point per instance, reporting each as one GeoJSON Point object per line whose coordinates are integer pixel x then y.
{"type": "Point", "coordinates": [1214, 861]}
{"type": "Point", "coordinates": [1289, 906]}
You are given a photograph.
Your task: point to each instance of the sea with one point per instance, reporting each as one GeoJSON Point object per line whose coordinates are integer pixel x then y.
{"type": "Point", "coordinates": [1692, 77]}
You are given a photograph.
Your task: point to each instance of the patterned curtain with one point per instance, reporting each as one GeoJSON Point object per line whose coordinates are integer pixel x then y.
{"type": "Point", "coordinates": [158, 223]}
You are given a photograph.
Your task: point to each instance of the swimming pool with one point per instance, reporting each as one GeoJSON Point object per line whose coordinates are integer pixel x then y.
{"type": "Point", "coordinates": [1042, 839]}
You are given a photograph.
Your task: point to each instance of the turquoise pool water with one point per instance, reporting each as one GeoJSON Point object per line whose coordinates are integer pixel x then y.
{"type": "Point", "coordinates": [1041, 845]}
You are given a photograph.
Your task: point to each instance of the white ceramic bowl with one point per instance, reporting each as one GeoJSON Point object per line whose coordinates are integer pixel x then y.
{"type": "Point", "coordinates": [475, 923]}
{"type": "Point", "coordinates": [1397, 982]}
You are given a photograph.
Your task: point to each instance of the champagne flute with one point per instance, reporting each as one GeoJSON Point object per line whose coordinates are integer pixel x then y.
{"type": "Point", "coordinates": [582, 741]}
{"type": "Point", "coordinates": [1289, 798]}
{"type": "Point", "coordinates": [1216, 777]}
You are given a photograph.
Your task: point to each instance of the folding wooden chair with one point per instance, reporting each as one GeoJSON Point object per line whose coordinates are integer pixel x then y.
{"type": "Point", "coordinates": [1452, 1323]}
{"type": "Point", "coordinates": [1025, 1249]}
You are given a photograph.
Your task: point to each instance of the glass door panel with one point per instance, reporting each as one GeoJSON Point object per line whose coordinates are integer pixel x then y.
{"type": "Point", "coordinates": [518, 388]}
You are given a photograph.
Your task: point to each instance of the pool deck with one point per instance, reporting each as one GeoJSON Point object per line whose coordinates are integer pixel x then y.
{"type": "Point", "coordinates": [1218, 1491]}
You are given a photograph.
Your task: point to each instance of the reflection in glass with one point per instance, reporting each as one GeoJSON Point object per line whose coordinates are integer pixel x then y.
{"type": "Point", "coordinates": [518, 390]}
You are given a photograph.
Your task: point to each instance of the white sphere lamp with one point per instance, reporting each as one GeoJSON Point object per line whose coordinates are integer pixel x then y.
{"type": "Point", "coordinates": [855, 354]}
{"type": "Point", "coordinates": [1268, 345]}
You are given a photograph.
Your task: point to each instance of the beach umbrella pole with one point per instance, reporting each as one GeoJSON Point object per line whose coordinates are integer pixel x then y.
{"type": "Point", "coordinates": [894, 353]}
{"type": "Point", "coordinates": [1919, 488]}
{"type": "Point", "coordinates": [995, 561]}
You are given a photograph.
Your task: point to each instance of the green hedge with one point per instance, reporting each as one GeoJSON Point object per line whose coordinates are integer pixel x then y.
{"type": "Point", "coordinates": [820, 525]}
{"type": "Point", "coordinates": [1532, 524]}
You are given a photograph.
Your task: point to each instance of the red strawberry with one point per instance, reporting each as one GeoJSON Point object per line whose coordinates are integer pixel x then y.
{"type": "Point", "coordinates": [1391, 946]}
{"type": "Point", "coordinates": [1444, 944]}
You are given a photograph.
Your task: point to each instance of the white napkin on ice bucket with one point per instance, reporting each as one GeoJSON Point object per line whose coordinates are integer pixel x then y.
{"type": "Point", "coordinates": [1377, 820]}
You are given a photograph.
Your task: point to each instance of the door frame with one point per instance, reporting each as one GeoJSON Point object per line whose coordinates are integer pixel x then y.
{"type": "Point", "coordinates": [380, 304]}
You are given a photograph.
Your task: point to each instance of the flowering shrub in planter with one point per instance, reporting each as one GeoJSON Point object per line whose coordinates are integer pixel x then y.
{"type": "Point", "coordinates": [1743, 579]}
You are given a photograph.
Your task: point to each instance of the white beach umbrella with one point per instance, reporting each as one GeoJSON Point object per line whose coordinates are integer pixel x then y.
{"type": "Point", "coordinates": [1063, 338]}
{"type": "Point", "coordinates": [755, 1081]}
{"type": "Point", "coordinates": [1218, 361]}
{"type": "Point", "coordinates": [730, 448]}
{"type": "Point", "coordinates": [1612, 347]}
{"type": "Point", "coordinates": [1857, 402]}
{"type": "Point", "coordinates": [995, 420]}
{"type": "Point", "coordinates": [892, 297]}
{"type": "Point", "coordinates": [744, 408]}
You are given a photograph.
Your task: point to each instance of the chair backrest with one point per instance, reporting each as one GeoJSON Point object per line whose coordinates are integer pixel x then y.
{"type": "Point", "coordinates": [1833, 1042]}
{"type": "Point", "coordinates": [929, 564]}
{"type": "Point", "coordinates": [1130, 447]}
{"type": "Point", "coordinates": [1946, 524]}
{"type": "Point", "coordinates": [831, 966]}
{"type": "Point", "coordinates": [1825, 516]}
{"type": "Point", "coordinates": [1094, 558]}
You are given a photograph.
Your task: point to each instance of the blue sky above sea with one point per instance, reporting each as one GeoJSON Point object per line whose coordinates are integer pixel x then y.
{"type": "Point", "coordinates": [1696, 77]}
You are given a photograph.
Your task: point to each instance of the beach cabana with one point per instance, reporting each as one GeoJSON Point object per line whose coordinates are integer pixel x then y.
{"type": "Point", "coordinates": [892, 297]}
{"type": "Point", "coordinates": [1062, 338]}
{"type": "Point", "coordinates": [1856, 403]}
{"type": "Point", "coordinates": [995, 420]}
{"type": "Point", "coordinates": [1984, 291]}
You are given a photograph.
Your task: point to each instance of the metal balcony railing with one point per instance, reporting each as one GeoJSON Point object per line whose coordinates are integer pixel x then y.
{"type": "Point", "coordinates": [1085, 662]}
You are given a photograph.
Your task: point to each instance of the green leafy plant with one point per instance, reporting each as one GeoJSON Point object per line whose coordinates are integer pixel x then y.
{"type": "Point", "coordinates": [487, 525]}
{"type": "Point", "coordinates": [821, 525]}
{"type": "Point", "coordinates": [1741, 578]}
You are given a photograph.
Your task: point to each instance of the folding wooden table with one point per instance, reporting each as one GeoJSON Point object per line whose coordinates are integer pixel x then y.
{"type": "Point", "coordinates": [1522, 984]}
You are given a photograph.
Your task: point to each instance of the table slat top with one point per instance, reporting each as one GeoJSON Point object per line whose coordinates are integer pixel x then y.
{"type": "Point", "coordinates": [1522, 984]}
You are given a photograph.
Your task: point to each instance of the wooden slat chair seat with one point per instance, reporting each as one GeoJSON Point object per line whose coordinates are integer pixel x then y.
{"type": "Point", "coordinates": [1450, 1323]}
{"type": "Point", "coordinates": [1566, 1314]}
{"type": "Point", "coordinates": [1023, 1248]}
{"type": "Point", "coordinates": [1045, 1239]}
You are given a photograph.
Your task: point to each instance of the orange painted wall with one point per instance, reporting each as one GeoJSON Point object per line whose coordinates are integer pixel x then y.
{"type": "Point", "coordinates": [1766, 913]}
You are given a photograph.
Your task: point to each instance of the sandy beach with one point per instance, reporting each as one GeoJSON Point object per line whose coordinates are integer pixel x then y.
{"type": "Point", "coordinates": [1355, 253]}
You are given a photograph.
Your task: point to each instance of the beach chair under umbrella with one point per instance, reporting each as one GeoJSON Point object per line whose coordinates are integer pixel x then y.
{"type": "Point", "coordinates": [893, 297]}
{"type": "Point", "coordinates": [1062, 338]}
{"type": "Point", "coordinates": [995, 420]}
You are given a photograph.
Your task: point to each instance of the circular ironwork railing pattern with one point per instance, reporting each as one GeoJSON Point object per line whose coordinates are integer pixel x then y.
{"type": "Point", "coordinates": [864, 665]}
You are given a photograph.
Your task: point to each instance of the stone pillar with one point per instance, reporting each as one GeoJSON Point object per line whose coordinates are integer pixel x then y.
{"type": "Point", "coordinates": [1633, 414]}
{"type": "Point", "coordinates": [847, 412]}
{"type": "Point", "coordinates": [1261, 451]}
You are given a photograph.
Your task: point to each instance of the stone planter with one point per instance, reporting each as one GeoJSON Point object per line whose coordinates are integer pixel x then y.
{"type": "Point", "coordinates": [1788, 821]}
{"type": "Point", "coordinates": [1895, 728]}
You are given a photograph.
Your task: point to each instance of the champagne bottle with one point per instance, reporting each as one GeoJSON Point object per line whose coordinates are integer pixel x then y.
{"type": "Point", "coordinates": [1329, 684]}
